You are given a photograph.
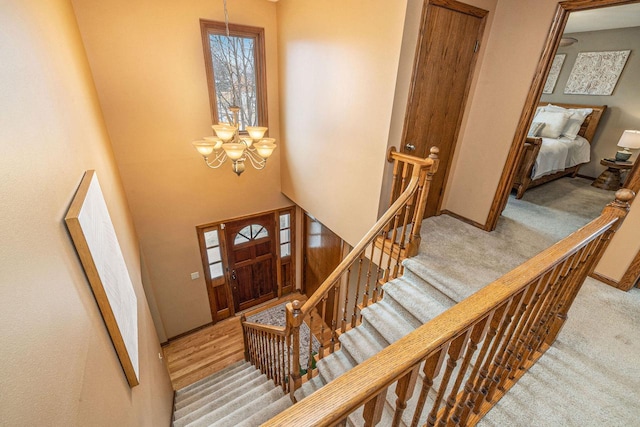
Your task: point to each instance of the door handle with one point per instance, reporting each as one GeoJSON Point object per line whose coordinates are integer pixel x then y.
{"type": "Point", "coordinates": [410, 147]}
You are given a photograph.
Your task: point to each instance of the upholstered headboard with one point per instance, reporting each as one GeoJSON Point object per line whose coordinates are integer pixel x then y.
{"type": "Point", "coordinates": [590, 124]}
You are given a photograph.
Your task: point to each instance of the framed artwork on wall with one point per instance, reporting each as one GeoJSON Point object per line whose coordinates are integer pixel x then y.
{"type": "Point", "coordinates": [97, 245]}
{"type": "Point", "coordinates": [596, 73]}
{"type": "Point", "coordinates": [554, 73]}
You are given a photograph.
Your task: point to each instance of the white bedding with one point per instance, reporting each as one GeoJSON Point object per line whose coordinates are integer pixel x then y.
{"type": "Point", "coordinates": [561, 153]}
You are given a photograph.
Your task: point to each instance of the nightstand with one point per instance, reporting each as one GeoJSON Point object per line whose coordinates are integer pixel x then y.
{"type": "Point", "coordinates": [611, 179]}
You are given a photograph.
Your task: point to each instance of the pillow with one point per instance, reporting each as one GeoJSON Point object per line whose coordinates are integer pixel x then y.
{"type": "Point", "coordinates": [575, 121]}
{"type": "Point", "coordinates": [535, 129]}
{"type": "Point", "coordinates": [554, 123]}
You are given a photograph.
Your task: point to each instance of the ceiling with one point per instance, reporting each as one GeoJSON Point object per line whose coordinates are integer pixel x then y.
{"type": "Point", "coordinates": [604, 18]}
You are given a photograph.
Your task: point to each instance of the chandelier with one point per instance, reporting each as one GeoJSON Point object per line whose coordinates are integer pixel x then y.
{"type": "Point", "coordinates": [230, 144]}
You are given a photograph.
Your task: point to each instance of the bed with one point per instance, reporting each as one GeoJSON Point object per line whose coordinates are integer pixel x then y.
{"type": "Point", "coordinates": [558, 147]}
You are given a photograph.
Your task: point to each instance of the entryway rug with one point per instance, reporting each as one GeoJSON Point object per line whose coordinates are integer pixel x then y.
{"type": "Point", "coordinates": [276, 316]}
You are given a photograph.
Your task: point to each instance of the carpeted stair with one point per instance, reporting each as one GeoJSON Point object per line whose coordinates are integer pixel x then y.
{"type": "Point", "coordinates": [239, 395]}
{"type": "Point", "coordinates": [409, 301]}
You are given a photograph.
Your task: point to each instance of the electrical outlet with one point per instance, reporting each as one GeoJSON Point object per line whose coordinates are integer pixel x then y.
{"type": "Point", "coordinates": [195, 275]}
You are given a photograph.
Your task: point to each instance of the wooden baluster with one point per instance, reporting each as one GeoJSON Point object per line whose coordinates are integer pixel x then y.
{"type": "Point", "coordinates": [288, 362]}
{"type": "Point", "coordinates": [345, 307]}
{"type": "Point", "coordinates": [404, 391]}
{"type": "Point", "coordinates": [373, 409]}
{"type": "Point", "coordinates": [334, 318]}
{"type": "Point", "coordinates": [322, 325]}
{"type": "Point", "coordinates": [293, 321]}
{"type": "Point", "coordinates": [471, 388]}
{"type": "Point", "coordinates": [354, 316]}
{"type": "Point", "coordinates": [273, 361]}
{"type": "Point", "coordinates": [431, 370]}
{"type": "Point", "coordinates": [379, 277]}
{"type": "Point", "coordinates": [394, 183]}
{"type": "Point", "coordinates": [310, 348]}
{"type": "Point", "coordinates": [365, 297]}
{"type": "Point", "coordinates": [499, 365]}
{"type": "Point", "coordinates": [455, 352]}
{"type": "Point", "coordinates": [477, 334]}
{"type": "Point", "coordinates": [283, 363]}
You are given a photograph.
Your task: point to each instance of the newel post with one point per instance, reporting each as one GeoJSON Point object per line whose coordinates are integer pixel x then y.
{"type": "Point", "coordinates": [618, 208]}
{"type": "Point", "coordinates": [243, 319]}
{"type": "Point", "coordinates": [426, 176]}
{"type": "Point", "coordinates": [294, 319]}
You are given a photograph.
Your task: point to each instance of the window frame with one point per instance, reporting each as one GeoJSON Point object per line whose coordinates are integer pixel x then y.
{"type": "Point", "coordinates": [236, 30]}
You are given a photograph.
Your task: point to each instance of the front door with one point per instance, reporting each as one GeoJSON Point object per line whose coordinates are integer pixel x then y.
{"type": "Point", "coordinates": [252, 261]}
{"type": "Point", "coordinates": [450, 34]}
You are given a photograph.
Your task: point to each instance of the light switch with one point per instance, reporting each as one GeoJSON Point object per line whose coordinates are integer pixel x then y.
{"type": "Point", "coordinates": [195, 275]}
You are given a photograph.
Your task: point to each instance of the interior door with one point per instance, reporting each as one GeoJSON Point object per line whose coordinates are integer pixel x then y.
{"type": "Point", "coordinates": [322, 254]}
{"type": "Point", "coordinates": [252, 261]}
{"type": "Point", "coordinates": [450, 34]}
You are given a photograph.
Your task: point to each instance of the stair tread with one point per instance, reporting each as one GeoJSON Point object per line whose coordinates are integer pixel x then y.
{"type": "Point", "coordinates": [387, 322]}
{"type": "Point", "coordinates": [232, 376]}
{"type": "Point", "coordinates": [416, 272]}
{"type": "Point", "coordinates": [334, 365]}
{"type": "Point", "coordinates": [219, 396]}
{"type": "Point", "coordinates": [213, 377]}
{"type": "Point", "coordinates": [267, 413]}
{"type": "Point", "coordinates": [412, 299]}
{"type": "Point", "coordinates": [212, 391]}
{"type": "Point", "coordinates": [309, 387]}
{"type": "Point", "coordinates": [240, 412]}
{"type": "Point", "coordinates": [361, 344]}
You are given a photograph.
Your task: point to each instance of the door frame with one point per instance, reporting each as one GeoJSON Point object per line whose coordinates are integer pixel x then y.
{"type": "Point", "coordinates": [461, 8]}
{"type": "Point", "coordinates": [535, 92]}
{"type": "Point", "coordinates": [220, 226]}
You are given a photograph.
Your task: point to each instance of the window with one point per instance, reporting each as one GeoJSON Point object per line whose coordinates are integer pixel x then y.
{"type": "Point", "coordinates": [250, 232]}
{"type": "Point", "coordinates": [214, 256]}
{"type": "Point", "coordinates": [285, 234]}
{"type": "Point", "coordinates": [236, 76]}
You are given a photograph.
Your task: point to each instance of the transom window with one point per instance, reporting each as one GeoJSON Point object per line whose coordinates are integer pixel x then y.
{"type": "Point", "coordinates": [249, 233]}
{"type": "Point", "coordinates": [235, 72]}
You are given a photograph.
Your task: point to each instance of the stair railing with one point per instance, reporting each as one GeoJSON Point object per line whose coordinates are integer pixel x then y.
{"type": "Point", "coordinates": [375, 260]}
{"type": "Point", "coordinates": [276, 351]}
{"type": "Point", "coordinates": [464, 360]}
{"type": "Point", "coordinates": [268, 348]}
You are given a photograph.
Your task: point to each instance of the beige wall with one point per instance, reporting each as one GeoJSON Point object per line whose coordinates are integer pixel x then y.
{"type": "Point", "coordinates": [338, 68]}
{"type": "Point", "coordinates": [149, 70]}
{"type": "Point", "coordinates": [58, 363]}
{"type": "Point", "coordinates": [498, 99]}
{"type": "Point", "coordinates": [623, 104]}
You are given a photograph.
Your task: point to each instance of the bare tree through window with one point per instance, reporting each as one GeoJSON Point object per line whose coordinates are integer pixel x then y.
{"type": "Point", "coordinates": [235, 68]}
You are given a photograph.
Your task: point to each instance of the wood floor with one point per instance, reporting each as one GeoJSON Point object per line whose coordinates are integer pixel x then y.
{"type": "Point", "coordinates": [208, 350]}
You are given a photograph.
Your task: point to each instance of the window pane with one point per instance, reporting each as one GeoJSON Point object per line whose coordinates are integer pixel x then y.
{"type": "Point", "coordinates": [235, 77]}
{"type": "Point", "coordinates": [243, 235]}
{"type": "Point", "coordinates": [215, 270]}
{"type": "Point", "coordinates": [261, 233]}
{"type": "Point", "coordinates": [214, 254]}
{"type": "Point", "coordinates": [284, 236]}
{"type": "Point", "coordinates": [285, 250]}
{"type": "Point", "coordinates": [285, 220]}
{"type": "Point", "coordinates": [211, 238]}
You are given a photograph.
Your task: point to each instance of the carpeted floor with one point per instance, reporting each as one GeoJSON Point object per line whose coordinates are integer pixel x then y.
{"type": "Point", "coordinates": [591, 376]}
{"type": "Point", "coordinates": [276, 316]}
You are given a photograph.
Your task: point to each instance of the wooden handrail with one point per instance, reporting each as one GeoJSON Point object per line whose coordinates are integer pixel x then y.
{"type": "Point", "coordinates": [537, 294]}
{"type": "Point", "coordinates": [353, 255]}
{"type": "Point", "coordinates": [275, 330]}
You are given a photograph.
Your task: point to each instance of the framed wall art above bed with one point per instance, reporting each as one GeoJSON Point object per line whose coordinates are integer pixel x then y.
{"type": "Point", "coordinates": [596, 73]}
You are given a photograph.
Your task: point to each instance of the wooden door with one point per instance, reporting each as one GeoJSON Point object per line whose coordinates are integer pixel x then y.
{"type": "Point", "coordinates": [252, 261]}
{"type": "Point", "coordinates": [322, 254]}
{"type": "Point", "coordinates": [450, 34]}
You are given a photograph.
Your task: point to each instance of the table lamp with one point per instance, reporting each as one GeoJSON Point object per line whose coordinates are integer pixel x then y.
{"type": "Point", "coordinates": [630, 140]}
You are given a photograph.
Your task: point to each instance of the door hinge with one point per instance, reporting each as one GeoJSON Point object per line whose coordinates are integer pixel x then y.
{"type": "Point", "coordinates": [477, 46]}
{"type": "Point", "coordinates": [222, 226]}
